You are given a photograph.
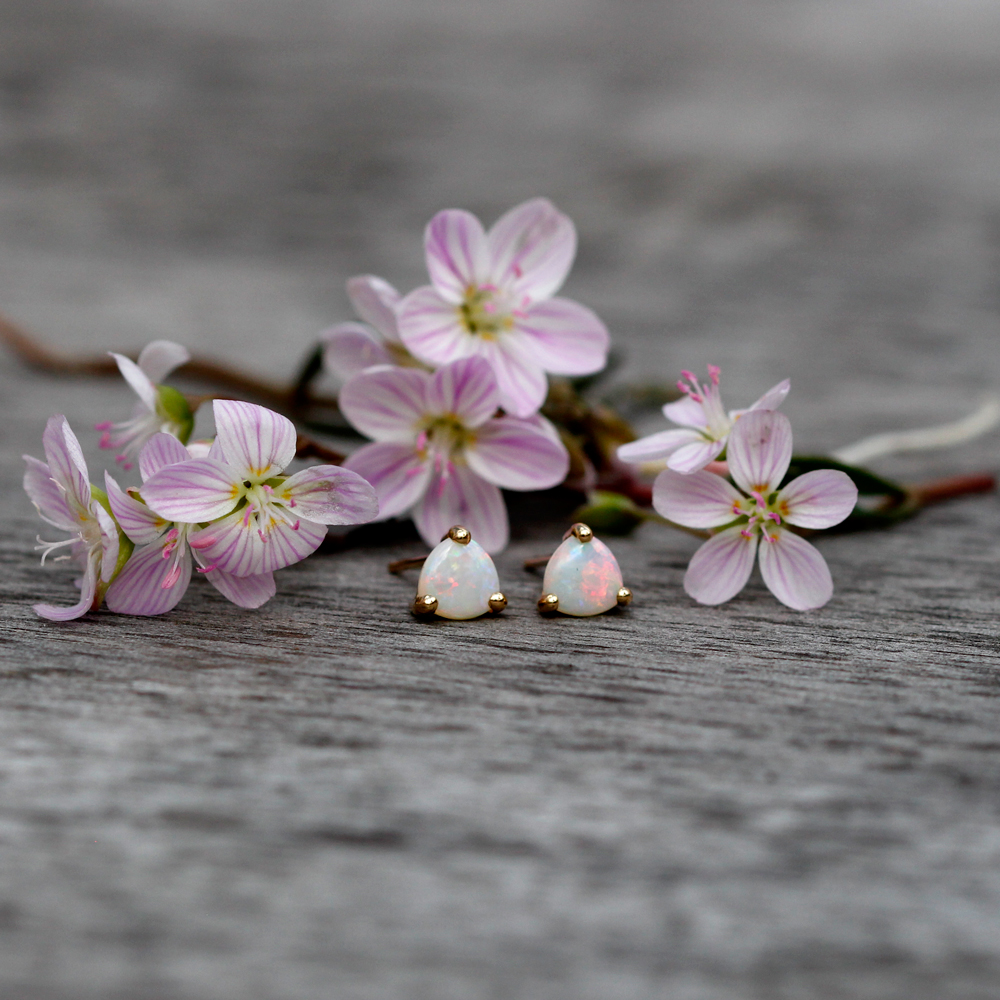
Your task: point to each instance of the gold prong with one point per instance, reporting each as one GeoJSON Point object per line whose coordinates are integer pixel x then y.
{"type": "Point", "coordinates": [548, 603]}
{"type": "Point", "coordinates": [624, 597]}
{"type": "Point", "coordinates": [459, 534]}
{"type": "Point", "coordinates": [581, 532]}
{"type": "Point", "coordinates": [497, 602]}
{"type": "Point", "coordinates": [425, 605]}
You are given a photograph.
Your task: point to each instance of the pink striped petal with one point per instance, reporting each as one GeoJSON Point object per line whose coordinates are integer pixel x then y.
{"type": "Point", "coordinates": [517, 455]}
{"type": "Point", "coordinates": [235, 545]}
{"type": "Point", "coordinates": [531, 249]}
{"type": "Point", "coordinates": [467, 388]}
{"type": "Point", "coordinates": [522, 383]}
{"type": "Point", "coordinates": [49, 500]}
{"type": "Point", "coordinates": [564, 337]}
{"type": "Point", "coordinates": [795, 572]}
{"type": "Point", "coordinates": [150, 584]}
{"type": "Point", "coordinates": [327, 494]}
{"type": "Point", "coordinates": [818, 499]}
{"type": "Point", "coordinates": [698, 500]}
{"type": "Point", "coordinates": [686, 412]}
{"type": "Point", "coordinates": [191, 492]}
{"type": "Point", "coordinates": [694, 456]}
{"type": "Point", "coordinates": [375, 301]}
{"type": "Point", "coordinates": [463, 498]}
{"type": "Point", "coordinates": [67, 466]}
{"type": "Point", "coordinates": [138, 380]}
{"type": "Point", "coordinates": [774, 397]}
{"type": "Point", "coordinates": [720, 569]}
{"type": "Point", "coordinates": [350, 348]}
{"type": "Point", "coordinates": [387, 404]}
{"type": "Point", "coordinates": [245, 591]}
{"type": "Point", "coordinates": [760, 448]}
{"type": "Point", "coordinates": [161, 450]}
{"type": "Point", "coordinates": [159, 358]}
{"type": "Point", "coordinates": [88, 588]}
{"type": "Point", "coordinates": [256, 441]}
{"type": "Point", "coordinates": [657, 446]}
{"type": "Point", "coordinates": [136, 519]}
{"type": "Point", "coordinates": [110, 541]}
{"type": "Point", "coordinates": [396, 472]}
{"type": "Point", "coordinates": [431, 328]}
{"type": "Point", "coordinates": [457, 257]}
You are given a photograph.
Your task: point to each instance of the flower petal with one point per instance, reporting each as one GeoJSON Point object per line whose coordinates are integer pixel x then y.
{"type": "Point", "coordinates": [692, 457]}
{"type": "Point", "coordinates": [137, 521]}
{"type": "Point", "coordinates": [522, 383]}
{"type": "Point", "coordinates": [467, 388]}
{"type": "Point", "coordinates": [795, 572]}
{"type": "Point", "coordinates": [67, 466]}
{"type": "Point", "coordinates": [159, 358]}
{"type": "Point", "coordinates": [375, 301]}
{"type": "Point", "coordinates": [49, 500]}
{"type": "Point", "coordinates": [139, 380]}
{"type": "Point", "coordinates": [140, 587]}
{"type": "Point", "coordinates": [245, 591]}
{"type": "Point", "coordinates": [327, 494]}
{"type": "Point", "coordinates": [455, 246]}
{"type": "Point", "coordinates": [773, 398]}
{"type": "Point", "coordinates": [686, 412]}
{"type": "Point", "coordinates": [818, 499]}
{"type": "Point", "coordinates": [161, 450]}
{"type": "Point", "coordinates": [110, 540]}
{"type": "Point", "coordinates": [431, 328]}
{"type": "Point", "coordinates": [88, 588]}
{"type": "Point", "coordinates": [531, 249]}
{"type": "Point", "coordinates": [396, 472]}
{"type": "Point", "coordinates": [190, 492]}
{"type": "Point", "coordinates": [255, 440]}
{"type": "Point", "coordinates": [463, 498]}
{"type": "Point", "coordinates": [565, 337]}
{"type": "Point", "coordinates": [387, 404]}
{"type": "Point", "coordinates": [720, 569]}
{"type": "Point", "coordinates": [659, 445]}
{"type": "Point", "coordinates": [760, 448]}
{"type": "Point", "coordinates": [696, 500]}
{"type": "Point", "coordinates": [517, 455]}
{"type": "Point", "coordinates": [350, 348]}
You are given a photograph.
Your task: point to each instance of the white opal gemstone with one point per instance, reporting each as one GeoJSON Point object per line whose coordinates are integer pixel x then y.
{"type": "Point", "coordinates": [461, 577]}
{"type": "Point", "coordinates": [584, 576]}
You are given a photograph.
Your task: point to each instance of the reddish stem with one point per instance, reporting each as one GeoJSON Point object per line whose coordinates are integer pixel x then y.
{"type": "Point", "coordinates": [938, 490]}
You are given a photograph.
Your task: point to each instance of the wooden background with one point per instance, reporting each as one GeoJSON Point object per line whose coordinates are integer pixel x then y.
{"type": "Point", "coordinates": [327, 799]}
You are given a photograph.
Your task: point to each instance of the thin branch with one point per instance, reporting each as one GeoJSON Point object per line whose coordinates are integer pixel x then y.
{"type": "Point", "coordinates": [307, 447]}
{"type": "Point", "coordinates": [400, 565]}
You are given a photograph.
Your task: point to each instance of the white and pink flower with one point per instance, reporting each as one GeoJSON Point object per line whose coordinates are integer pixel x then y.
{"type": "Point", "coordinates": [161, 409]}
{"type": "Point", "coordinates": [441, 452]}
{"type": "Point", "coordinates": [754, 522]}
{"type": "Point", "coordinates": [491, 296]}
{"type": "Point", "coordinates": [62, 494]}
{"type": "Point", "coordinates": [159, 571]}
{"type": "Point", "coordinates": [704, 425]}
{"type": "Point", "coordinates": [262, 519]}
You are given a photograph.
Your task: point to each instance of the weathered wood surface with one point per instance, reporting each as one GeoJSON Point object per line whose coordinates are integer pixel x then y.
{"type": "Point", "coordinates": [327, 799]}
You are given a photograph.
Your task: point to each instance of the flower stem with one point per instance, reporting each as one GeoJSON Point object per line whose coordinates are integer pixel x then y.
{"type": "Point", "coordinates": [938, 490]}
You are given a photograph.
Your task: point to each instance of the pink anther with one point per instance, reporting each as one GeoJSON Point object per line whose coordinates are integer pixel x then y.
{"type": "Point", "coordinates": [172, 577]}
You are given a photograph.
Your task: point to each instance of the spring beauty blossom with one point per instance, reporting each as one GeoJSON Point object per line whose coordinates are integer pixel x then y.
{"type": "Point", "coordinates": [491, 296]}
{"type": "Point", "coordinates": [441, 452]}
{"type": "Point", "coordinates": [159, 571]}
{"type": "Point", "coordinates": [262, 520]}
{"type": "Point", "coordinates": [754, 521]}
{"type": "Point", "coordinates": [61, 491]}
{"type": "Point", "coordinates": [704, 425]}
{"type": "Point", "coordinates": [160, 408]}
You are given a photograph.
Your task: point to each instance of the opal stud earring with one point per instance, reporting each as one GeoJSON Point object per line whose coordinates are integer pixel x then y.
{"type": "Point", "coordinates": [458, 579]}
{"type": "Point", "coordinates": [582, 577]}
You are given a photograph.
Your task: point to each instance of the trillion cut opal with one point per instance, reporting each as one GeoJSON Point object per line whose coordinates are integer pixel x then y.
{"type": "Point", "coordinates": [584, 576]}
{"type": "Point", "coordinates": [461, 577]}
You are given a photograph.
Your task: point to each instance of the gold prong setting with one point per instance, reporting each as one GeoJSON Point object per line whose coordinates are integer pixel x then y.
{"type": "Point", "coordinates": [497, 603]}
{"type": "Point", "coordinates": [624, 597]}
{"type": "Point", "coordinates": [457, 533]}
{"type": "Point", "coordinates": [548, 604]}
{"type": "Point", "coordinates": [425, 605]}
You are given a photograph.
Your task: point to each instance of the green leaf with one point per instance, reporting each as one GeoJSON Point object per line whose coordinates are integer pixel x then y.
{"type": "Point", "coordinates": [868, 483]}
{"type": "Point", "coordinates": [610, 513]}
{"type": "Point", "coordinates": [174, 407]}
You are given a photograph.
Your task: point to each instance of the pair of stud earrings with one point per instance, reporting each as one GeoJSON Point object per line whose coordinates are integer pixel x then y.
{"type": "Point", "coordinates": [459, 581]}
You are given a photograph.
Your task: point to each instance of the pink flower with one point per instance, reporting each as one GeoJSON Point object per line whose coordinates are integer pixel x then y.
{"type": "Point", "coordinates": [760, 450]}
{"type": "Point", "coordinates": [705, 424]}
{"type": "Point", "coordinates": [160, 407]}
{"type": "Point", "coordinates": [350, 348]}
{"type": "Point", "coordinates": [441, 451]}
{"type": "Point", "coordinates": [263, 519]}
{"type": "Point", "coordinates": [159, 571]}
{"type": "Point", "coordinates": [61, 492]}
{"type": "Point", "coordinates": [491, 296]}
